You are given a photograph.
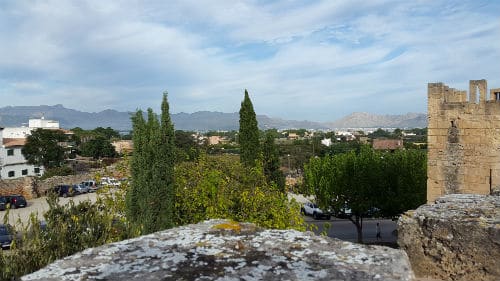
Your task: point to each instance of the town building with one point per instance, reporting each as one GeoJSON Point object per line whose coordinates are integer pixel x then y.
{"type": "Point", "coordinates": [12, 140]}
{"type": "Point", "coordinates": [387, 144]}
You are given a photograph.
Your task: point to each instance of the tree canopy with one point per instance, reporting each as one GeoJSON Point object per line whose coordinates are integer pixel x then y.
{"type": "Point", "coordinates": [249, 133]}
{"type": "Point", "coordinates": [42, 148]}
{"type": "Point", "coordinates": [150, 199]}
{"type": "Point", "coordinates": [272, 163]}
{"type": "Point", "coordinates": [390, 183]}
{"type": "Point", "coordinates": [98, 148]}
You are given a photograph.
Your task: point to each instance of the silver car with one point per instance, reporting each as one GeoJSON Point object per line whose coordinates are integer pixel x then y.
{"type": "Point", "coordinates": [80, 188]}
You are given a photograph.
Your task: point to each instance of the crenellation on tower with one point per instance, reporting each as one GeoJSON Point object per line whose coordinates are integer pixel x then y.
{"type": "Point", "coordinates": [463, 140]}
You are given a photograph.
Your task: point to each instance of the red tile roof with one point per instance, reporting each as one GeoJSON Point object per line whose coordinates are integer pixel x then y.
{"type": "Point", "coordinates": [10, 142]}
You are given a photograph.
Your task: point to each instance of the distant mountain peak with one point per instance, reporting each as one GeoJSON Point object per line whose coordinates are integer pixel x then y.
{"type": "Point", "coordinates": [13, 116]}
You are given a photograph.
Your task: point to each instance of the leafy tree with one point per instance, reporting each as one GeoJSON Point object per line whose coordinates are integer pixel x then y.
{"type": "Point", "coordinates": [272, 163]}
{"type": "Point", "coordinates": [186, 147]}
{"type": "Point", "coordinates": [221, 187]}
{"type": "Point", "coordinates": [42, 148]}
{"type": "Point", "coordinates": [389, 182]}
{"type": "Point", "coordinates": [248, 134]}
{"type": "Point", "coordinates": [150, 198]}
{"type": "Point", "coordinates": [380, 133]}
{"type": "Point", "coordinates": [107, 133]}
{"type": "Point", "coordinates": [98, 148]}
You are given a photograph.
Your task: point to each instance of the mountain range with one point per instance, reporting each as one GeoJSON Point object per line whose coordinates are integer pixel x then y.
{"type": "Point", "coordinates": [15, 116]}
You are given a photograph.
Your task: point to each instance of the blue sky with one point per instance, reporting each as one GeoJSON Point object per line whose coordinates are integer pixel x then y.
{"type": "Point", "coordinates": [302, 60]}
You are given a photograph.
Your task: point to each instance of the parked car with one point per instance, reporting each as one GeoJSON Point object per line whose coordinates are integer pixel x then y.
{"type": "Point", "coordinates": [63, 190]}
{"type": "Point", "coordinates": [109, 181]}
{"type": "Point", "coordinates": [5, 237]}
{"type": "Point", "coordinates": [3, 203]}
{"type": "Point", "coordinates": [92, 185]}
{"type": "Point", "coordinates": [16, 201]}
{"type": "Point", "coordinates": [311, 209]}
{"type": "Point", "coordinates": [80, 188]}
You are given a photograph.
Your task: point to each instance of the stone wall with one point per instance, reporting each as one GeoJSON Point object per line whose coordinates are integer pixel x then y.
{"type": "Point", "coordinates": [457, 238]}
{"type": "Point", "coordinates": [224, 250]}
{"type": "Point", "coordinates": [463, 140]}
{"type": "Point", "coordinates": [27, 186]}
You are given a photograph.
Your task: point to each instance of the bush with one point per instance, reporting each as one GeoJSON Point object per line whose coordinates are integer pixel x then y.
{"type": "Point", "coordinates": [69, 229]}
{"type": "Point", "coordinates": [57, 171]}
{"type": "Point", "coordinates": [220, 187]}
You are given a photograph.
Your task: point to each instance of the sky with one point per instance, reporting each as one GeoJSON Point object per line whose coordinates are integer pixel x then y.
{"type": "Point", "coordinates": [300, 60]}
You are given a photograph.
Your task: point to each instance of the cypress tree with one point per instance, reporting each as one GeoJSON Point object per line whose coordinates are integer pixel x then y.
{"type": "Point", "coordinates": [136, 166]}
{"type": "Point", "coordinates": [272, 163]}
{"type": "Point", "coordinates": [150, 199]}
{"type": "Point", "coordinates": [248, 134]}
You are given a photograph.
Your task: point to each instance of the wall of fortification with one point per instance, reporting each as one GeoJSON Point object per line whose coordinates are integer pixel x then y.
{"type": "Point", "coordinates": [463, 140]}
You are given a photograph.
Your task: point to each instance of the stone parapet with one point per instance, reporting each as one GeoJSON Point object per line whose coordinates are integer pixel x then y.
{"type": "Point", "coordinates": [225, 250]}
{"type": "Point", "coordinates": [456, 238]}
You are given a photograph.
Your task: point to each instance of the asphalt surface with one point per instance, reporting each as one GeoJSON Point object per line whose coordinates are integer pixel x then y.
{"type": "Point", "coordinates": [345, 230]}
{"type": "Point", "coordinates": [38, 206]}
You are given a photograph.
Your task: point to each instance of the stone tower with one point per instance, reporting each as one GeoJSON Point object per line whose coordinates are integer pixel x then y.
{"type": "Point", "coordinates": [463, 140]}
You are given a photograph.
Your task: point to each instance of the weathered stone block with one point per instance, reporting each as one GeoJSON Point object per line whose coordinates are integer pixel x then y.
{"type": "Point", "coordinates": [225, 250]}
{"type": "Point", "coordinates": [457, 238]}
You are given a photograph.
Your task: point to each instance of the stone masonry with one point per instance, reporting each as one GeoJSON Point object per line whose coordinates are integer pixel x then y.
{"type": "Point", "coordinates": [457, 238]}
{"type": "Point", "coordinates": [225, 250]}
{"type": "Point", "coordinates": [463, 140]}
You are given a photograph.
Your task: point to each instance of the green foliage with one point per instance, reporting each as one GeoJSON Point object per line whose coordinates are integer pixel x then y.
{"type": "Point", "coordinates": [57, 171]}
{"type": "Point", "coordinates": [344, 147]}
{"type": "Point", "coordinates": [106, 133]}
{"type": "Point", "coordinates": [272, 163]}
{"type": "Point", "coordinates": [393, 182]}
{"type": "Point", "coordinates": [187, 148]}
{"type": "Point", "coordinates": [380, 133]}
{"type": "Point", "coordinates": [98, 148]}
{"type": "Point", "coordinates": [221, 187]}
{"type": "Point", "coordinates": [69, 229]}
{"type": "Point", "coordinates": [249, 133]}
{"type": "Point", "coordinates": [150, 198]}
{"type": "Point", "coordinates": [42, 148]}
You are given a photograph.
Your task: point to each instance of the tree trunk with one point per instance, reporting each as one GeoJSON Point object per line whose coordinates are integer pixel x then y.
{"type": "Point", "coordinates": [359, 228]}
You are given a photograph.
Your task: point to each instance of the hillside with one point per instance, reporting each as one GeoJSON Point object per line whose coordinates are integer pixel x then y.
{"type": "Point", "coordinates": [13, 116]}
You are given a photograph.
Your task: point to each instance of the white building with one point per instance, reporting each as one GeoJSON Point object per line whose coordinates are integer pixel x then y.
{"type": "Point", "coordinates": [12, 162]}
{"type": "Point", "coordinates": [326, 142]}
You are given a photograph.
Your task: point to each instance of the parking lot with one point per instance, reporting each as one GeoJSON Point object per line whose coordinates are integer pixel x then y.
{"type": "Point", "coordinates": [39, 206]}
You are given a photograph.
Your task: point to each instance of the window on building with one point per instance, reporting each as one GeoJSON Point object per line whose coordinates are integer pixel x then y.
{"type": "Point", "coordinates": [24, 172]}
{"type": "Point", "coordinates": [497, 95]}
{"type": "Point", "coordinates": [10, 152]}
{"type": "Point", "coordinates": [11, 174]}
{"type": "Point", "coordinates": [37, 170]}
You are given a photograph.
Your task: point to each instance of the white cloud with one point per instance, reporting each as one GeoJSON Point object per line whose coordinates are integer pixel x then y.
{"type": "Point", "coordinates": [299, 59]}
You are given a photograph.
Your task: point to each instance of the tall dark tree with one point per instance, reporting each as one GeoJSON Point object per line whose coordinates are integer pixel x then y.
{"type": "Point", "coordinates": [150, 199]}
{"type": "Point", "coordinates": [98, 148]}
{"type": "Point", "coordinates": [248, 134]}
{"type": "Point", "coordinates": [272, 163]}
{"type": "Point", "coordinates": [42, 148]}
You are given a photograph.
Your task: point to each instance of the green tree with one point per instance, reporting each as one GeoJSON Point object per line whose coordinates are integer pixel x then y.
{"type": "Point", "coordinates": [151, 196]}
{"type": "Point", "coordinates": [249, 133]}
{"type": "Point", "coordinates": [221, 187]}
{"type": "Point", "coordinates": [42, 148]}
{"type": "Point", "coordinates": [98, 148]}
{"type": "Point", "coordinates": [390, 182]}
{"type": "Point", "coordinates": [108, 133]}
{"type": "Point", "coordinates": [186, 147]}
{"type": "Point", "coordinates": [272, 163]}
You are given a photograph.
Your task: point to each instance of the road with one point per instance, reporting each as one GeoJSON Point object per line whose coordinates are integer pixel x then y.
{"type": "Point", "coordinates": [341, 229]}
{"type": "Point", "coordinates": [345, 229]}
{"type": "Point", "coordinates": [38, 206]}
